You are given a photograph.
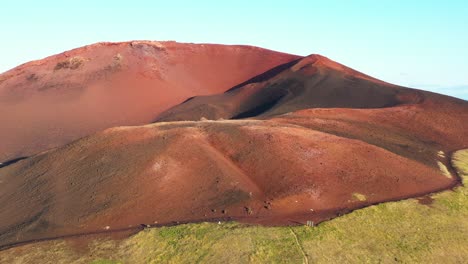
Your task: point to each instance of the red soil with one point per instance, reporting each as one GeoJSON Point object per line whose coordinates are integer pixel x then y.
{"type": "Point", "coordinates": [270, 172]}
{"type": "Point", "coordinates": [50, 102]}
{"type": "Point", "coordinates": [320, 140]}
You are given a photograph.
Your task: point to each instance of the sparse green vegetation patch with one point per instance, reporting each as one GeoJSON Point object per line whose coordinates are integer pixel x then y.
{"type": "Point", "coordinates": [359, 196]}
{"type": "Point", "coordinates": [116, 64]}
{"type": "Point", "coordinates": [441, 154]}
{"type": "Point", "coordinates": [444, 169]}
{"type": "Point", "coordinates": [72, 63]}
{"type": "Point", "coordinates": [460, 162]}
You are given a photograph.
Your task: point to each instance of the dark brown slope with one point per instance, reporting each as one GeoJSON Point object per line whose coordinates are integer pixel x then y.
{"type": "Point", "coordinates": [50, 102]}
{"type": "Point", "coordinates": [311, 82]}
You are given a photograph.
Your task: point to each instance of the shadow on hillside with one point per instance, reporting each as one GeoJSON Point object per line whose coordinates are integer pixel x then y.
{"type": "Point", "coordinates": [12, 161]}
{"type": "Point", "coordinates": [266, 75]}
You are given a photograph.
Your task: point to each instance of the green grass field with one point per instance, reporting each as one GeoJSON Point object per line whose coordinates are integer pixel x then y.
{"type": "Point", "coordinates": [394, 232]}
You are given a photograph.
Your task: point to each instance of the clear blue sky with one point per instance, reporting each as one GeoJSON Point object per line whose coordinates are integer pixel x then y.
{"type": "Point", "coordinates": [422, 44]}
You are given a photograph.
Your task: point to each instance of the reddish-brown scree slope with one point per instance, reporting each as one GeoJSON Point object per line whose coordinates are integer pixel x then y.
{"type": "Point", "coordinates": [311, 82]}
{"type": "Point", "coordinates": [266, 171]}
{"type": "Point", "coordinates": [50, 102]}
{"type": "Point", "coordinates": [333, 141]}
{"type": "Point", "coordinates": [346, 103]}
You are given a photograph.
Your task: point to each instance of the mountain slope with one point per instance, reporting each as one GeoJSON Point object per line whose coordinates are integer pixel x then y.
{"type": "Point", "coordinates": [50, 102]}
{"type": "Point", "coordinates": [309, 140]}
{"type": "Point", "coordinates": [269, 172]}
{"type": "Point", "coordinates": [311, 82]}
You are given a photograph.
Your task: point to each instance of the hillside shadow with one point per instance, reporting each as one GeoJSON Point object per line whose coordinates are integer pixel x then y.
{"type": "Point", "coordinates": [266, 75]}
{"type": "Point", "coordinates": [10, 162]}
